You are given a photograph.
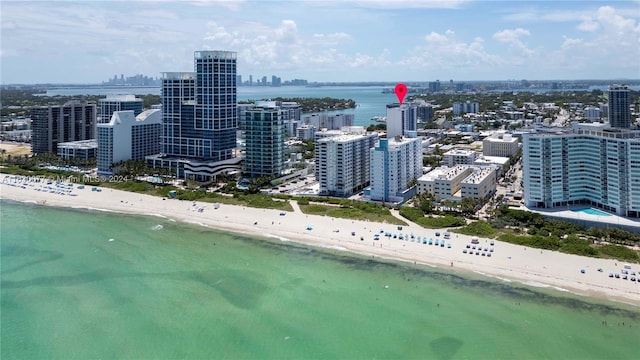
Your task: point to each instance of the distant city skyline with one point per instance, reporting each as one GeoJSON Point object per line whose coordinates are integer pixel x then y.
{"type": "Point", "coordinates": [87, 42]}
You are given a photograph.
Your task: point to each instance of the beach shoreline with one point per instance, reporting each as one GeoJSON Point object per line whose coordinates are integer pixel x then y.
{"type": "Point", "coordinates": [508, 262]}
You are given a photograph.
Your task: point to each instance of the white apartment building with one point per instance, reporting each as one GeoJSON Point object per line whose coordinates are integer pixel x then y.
{"type": "Point", "coordinates": [500, 144]}
{"type": "Point", "coordinates": [291, 112]}
{"type": "Point", "coordinates": [458, 157]}
{"type": "Point", "coordinates": [599, 167]}
{"type": "Point", "coordinates": [454, 183]}
{"type": "Point", "coordinates": [343, 162]}
{"type": "Point", "coordinates": [401, 119]}
{"type": "Point", "coordinates": [128, 137]}
{"type": "Point", "coordinates": [305, 132]}
{"type": "Point", "coordinates": [592, 113]}
{"type": "Point", "coordinates": [395, 162]}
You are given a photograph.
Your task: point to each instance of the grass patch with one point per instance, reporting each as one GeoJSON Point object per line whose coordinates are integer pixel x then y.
{"type": "Point", "coordinates": [417, 216]}
{"type": "Point", "coordinates": [381, 215]}
{"type": "Point", "coordinates": [536, 241]}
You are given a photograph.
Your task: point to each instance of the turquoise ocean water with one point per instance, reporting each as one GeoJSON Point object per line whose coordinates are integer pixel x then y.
{"type": "Point", "coordinates": [87, 285]}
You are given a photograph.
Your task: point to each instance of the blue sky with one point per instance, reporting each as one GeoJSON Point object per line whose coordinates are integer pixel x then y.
{"type": "Point", "coordinates": [368, 40]}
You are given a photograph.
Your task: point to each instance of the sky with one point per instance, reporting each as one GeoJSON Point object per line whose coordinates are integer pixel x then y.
{"type": "Point", "coordinates": [83, 42]}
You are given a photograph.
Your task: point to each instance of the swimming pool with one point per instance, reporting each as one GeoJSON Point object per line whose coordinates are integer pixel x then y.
{"type": "Point", "coordinates": [591, 211]}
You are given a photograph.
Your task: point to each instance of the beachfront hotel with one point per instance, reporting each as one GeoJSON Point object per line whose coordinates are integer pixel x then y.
{"type": "Point", "coordinates": [51, 125]}
{"type": "Point", "coordinates": [199, 116]}
{"type": "Point", "coordinates": [593, 165]}
{"type": "Point", "coordinates": [264, 130]}
{"type": "Point", "coordinates": [113, 103]}
{"type": "Point", "coordinates": [343, 162]}
{"type": "Point", "coordinates": [128, 137]}
{"type": "Point", "coordinates": [395, 163]}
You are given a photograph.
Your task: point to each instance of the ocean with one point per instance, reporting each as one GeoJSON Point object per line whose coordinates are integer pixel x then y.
{"type": "Point", "coordinates": [79, 284]}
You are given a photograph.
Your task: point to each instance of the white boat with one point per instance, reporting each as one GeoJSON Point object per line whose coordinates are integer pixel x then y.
{"type": "Point", "coordinates": [379, 118]}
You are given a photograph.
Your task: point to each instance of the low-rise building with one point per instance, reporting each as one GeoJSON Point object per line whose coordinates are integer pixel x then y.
{"type": "Point", "coordinates": [82, 149]}
{"type": "Point", "coordinates": [454, 183]}
{"type": "Point", "coordinates": [480, 184]}
{"type": "Point", "coordinates": [458, 157]}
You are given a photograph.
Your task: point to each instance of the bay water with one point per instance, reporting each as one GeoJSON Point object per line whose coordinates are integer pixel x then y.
{"type": "Point", "coordinates": [80, 284]}
{"type": "Point", "coordinates": [370, 100]}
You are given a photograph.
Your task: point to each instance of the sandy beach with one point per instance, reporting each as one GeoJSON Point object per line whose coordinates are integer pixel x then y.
{"type": "Point", "coordinates": [508, 262]}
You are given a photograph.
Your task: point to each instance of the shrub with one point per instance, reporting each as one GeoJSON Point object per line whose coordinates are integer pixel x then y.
{"type": "Point", "coordinates": [478, 228]}
{"type": "Point", "coordinates": [619, 252]}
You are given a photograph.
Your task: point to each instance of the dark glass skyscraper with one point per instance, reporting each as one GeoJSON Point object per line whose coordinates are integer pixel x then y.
{"type": "Point", "coordinates": [619, 112]}
{"type": "Point", "coordinates": [199, 109]}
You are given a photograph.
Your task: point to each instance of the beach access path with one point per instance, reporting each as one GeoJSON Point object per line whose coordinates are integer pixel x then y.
{"type": "Point", "coordinates": [508, 262]}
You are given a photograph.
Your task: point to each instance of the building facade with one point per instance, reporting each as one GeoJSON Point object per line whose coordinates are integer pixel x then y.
{"type": "Point", "coordinates": [460, 181]}
{"type": "Point", "coordinates": [51, 125]}
{"type": "Point", "coordinates": [82, 149]}
{"type": "Point", "coordinates": [113, 103]}
{"type": "Point", "coordinates": [343, 162]}
{"type": "Point", "coordinates": [499, 144]}
{"type": "Point", "coordinates": [458, 157]}
{"type": "Point", "coordinates": [596, 167]}
{"type": "Point", "coordinates": [395, 164]}
{"type": "Point", "coordinates": [329, 121]}
{"type": "Point", "coordinates": [128, 137]}
{"type": "Point", "coordinates": [305, 132]}
{"type": "Point", "coordinates": [467, 107]}
{"type": "Point", "coordinates": [291, 113]}
{"type": "Point", "coordinates": [264, 139]}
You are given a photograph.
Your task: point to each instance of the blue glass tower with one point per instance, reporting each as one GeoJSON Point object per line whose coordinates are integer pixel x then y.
{"type": "Point", "coordinates": [199, 109]}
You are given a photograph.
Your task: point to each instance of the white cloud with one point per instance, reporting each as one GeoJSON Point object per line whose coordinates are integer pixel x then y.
{"type": "Point", "coordinates": [410, 4]}
{"type": "Point", "coordinates": [569, 43]}
{"type": "Point", "coordinates": [512, 37]}
{"type": "Point", "coordinates": [444, 52]}
{"type": "Point", "coordinates": [588, 25]}
{"type": "Point", "coordinates": [435, 38]}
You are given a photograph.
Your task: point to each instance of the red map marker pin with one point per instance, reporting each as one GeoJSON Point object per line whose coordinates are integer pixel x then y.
{"type": "Point", "coordinates": [401, 91]}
